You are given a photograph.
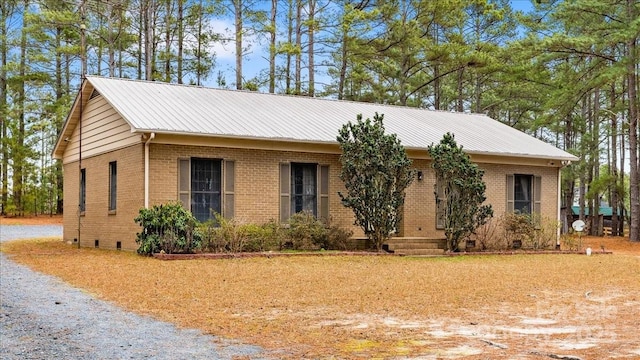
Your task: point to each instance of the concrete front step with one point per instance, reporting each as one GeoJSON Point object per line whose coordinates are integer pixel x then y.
{"type": "Point", "coordinates": [420, 252]}
{"type": "Point", "coordinates": [416, 246]}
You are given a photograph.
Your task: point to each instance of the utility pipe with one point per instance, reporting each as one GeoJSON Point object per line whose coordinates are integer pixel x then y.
{"type": "Point", "coordinates": [146, 170]}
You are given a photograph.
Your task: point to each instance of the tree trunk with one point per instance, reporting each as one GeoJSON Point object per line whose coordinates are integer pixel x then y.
{"type": "Point", "coordinates": [141, 34]}
{"type": "Point", "coordinates": [290, 25]}
{"type": "Point", "coordinates": [613, 165]}
{"type": "Point", "coordinates": [312, 27]}
{"type": "Point", "coordinates": [595, 215]}
{"type": "Point", "coordinates": [18, 155]}
{"type": "Point", "coordinates": [5, 12]}
{"type": "Point", "coordinates": [180, 21]}
{"type": "Point", "coordinates": [148, 39]}
{"type": "Point", "coordinates": [634, 176]}
{"type": "Point", "coordinates": [167, 42]}
{"type": "Point", "coordinates": [272, 47]}
{"type": "Point", "coordinates": [237, 5]}
{"type": "Point", "coordinates": [199, 74]}
{"type": "Point", "coordinates": [110, 41]}
{"type": "Point", "coordinates": [297, 75]}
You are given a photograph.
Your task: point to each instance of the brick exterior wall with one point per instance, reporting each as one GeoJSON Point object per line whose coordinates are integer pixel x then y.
{"type": "Point", "coordinates": [257, 179]}
{"type": "Point", "coordinates": [97, 222]}
{"type": "Point", "coordinates": [420, 204]}
{"type": "Point", "coordinates": [257, 192]}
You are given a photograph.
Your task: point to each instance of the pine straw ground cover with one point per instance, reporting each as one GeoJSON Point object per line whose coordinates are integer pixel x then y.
{"type": "Point", "coordinates": [472, 307]}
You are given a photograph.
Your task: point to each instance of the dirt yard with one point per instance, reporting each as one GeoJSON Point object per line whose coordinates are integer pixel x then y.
{"type": "Point", "coordinates": [472, 307]}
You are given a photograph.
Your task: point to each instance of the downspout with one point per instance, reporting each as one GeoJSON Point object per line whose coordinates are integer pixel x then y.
{"type": "Point", "coordinates": [563, 164]}
{"type": "Point", "coordinates": [146, 170]}
{"type": "Point", "coordinates": [559, 195]}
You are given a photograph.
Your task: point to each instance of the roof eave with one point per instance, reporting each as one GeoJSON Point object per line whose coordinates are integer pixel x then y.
{"type": "Point", "coordinates": [562, 159]}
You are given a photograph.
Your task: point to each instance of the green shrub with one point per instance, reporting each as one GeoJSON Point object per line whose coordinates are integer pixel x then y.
{"type": "Point", "coordinates": [167, 228]}
{"type": "Point", "coordinates": [305, 232]}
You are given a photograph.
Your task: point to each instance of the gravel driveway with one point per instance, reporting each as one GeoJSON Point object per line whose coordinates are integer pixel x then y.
{"type": "Point", "coordinates": [45, 318]}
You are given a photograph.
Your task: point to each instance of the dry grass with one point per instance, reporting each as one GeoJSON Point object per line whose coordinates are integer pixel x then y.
{"type": "Point", "coordinates": [382, 307]}
{"type": "Point", "coordinates": [32, 220]}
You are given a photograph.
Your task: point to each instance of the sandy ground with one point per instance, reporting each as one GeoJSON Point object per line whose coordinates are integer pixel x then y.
{"type": "Point", "coordinates": [588, 312]}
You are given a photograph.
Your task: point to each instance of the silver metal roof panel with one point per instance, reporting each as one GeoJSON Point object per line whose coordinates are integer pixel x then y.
{"type": "Point", "coordinates": [172, 108]}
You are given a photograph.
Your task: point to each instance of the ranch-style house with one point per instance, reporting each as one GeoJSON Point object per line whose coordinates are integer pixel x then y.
{"type": "Point", "coordinates": [128, 144]}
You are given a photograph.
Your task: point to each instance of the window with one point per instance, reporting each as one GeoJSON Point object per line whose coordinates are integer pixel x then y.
{"type": "Point", "coordinates": [83, 189]}
{"type": "Point", "coordinates": [524, 194]}
{"type": "Point", "coordinates": [206, 183]}
{"type": "Point", "coordinates": [113, 185]}
{"type": "Point", "coordinates": [304, 187]}
{"type": "Point", "coordinates": [200, 187]}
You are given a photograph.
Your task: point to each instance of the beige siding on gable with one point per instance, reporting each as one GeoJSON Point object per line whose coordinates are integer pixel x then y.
{"type": "Point", "coordinates": [103, 130]}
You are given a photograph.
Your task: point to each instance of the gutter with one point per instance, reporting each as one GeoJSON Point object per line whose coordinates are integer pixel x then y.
{"type": "Point", "coordinates": [146, 169]}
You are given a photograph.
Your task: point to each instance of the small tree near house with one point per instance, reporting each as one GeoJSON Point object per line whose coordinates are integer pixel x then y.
{"type": "Point", "coordinates": [459, 191]}
{"type": "Point", "coordinates": [375, 171]}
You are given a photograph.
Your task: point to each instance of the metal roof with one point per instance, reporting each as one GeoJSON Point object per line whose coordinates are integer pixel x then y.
{"type": "Point", "coordinates": [182, 109]}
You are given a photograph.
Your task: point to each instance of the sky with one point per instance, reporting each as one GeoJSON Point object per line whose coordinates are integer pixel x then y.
{"type": "Point", "coordinates": [257, 58]}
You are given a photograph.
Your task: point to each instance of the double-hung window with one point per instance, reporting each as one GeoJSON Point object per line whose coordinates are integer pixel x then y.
{"type": "Point", "coordinates": [524, 194]}
{"type": "Point", "coordinates": [204, 189]}
{"type": "Point", "coordinates": [304, 187]}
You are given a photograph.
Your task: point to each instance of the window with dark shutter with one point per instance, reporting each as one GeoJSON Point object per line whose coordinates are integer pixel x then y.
{"type": "Point", "coordinates": [524, 195]}
{"type": "Point", "coordinates": [200, 186]}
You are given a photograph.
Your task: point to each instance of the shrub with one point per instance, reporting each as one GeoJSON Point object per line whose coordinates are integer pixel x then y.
{"type": "Point", "coordinates": [167, 228]}
{"type": "Point", "coordinates": [337, 238]}
{"type": "Point", "coordinates": [518, 228]}
{"type": "Point", "coordinates": [459, 191]}
{"type": "Point", "coordinates": [265, 237]}
{"type": "Point", "coordinates": [490, 235]}
{"type": "Point", "coordinates": [501, 233]}
{"type": "Point", "coordinates": [305, 232]}
{"type": "Point", "coordinates": [545, 236]}
{"type": "Point", "coordinates": [376, 171]}
{"type": "Point", "coordinates": [222, 234]}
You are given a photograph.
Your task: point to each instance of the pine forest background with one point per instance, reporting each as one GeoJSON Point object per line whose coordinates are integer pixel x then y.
{"type": "Point", "coordinates": [565, 71]}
